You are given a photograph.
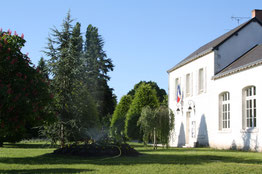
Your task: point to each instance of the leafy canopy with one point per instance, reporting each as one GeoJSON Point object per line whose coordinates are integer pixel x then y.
{"type": "Point", "coordinates": [24, 91]}
{"type": "Point", "coordinates": [144, 96]}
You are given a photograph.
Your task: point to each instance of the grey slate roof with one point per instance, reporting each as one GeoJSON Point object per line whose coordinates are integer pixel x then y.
{"type": "Point", "coordinates": [249, 59]}
{"type": "Point", "coordinates": [211, 45]}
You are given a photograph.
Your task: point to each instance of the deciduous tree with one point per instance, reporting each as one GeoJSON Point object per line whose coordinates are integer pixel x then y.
{"type": "Point", "coordinates": [144, 96]}
{"type": "Point", "coordinates": [24, 91]}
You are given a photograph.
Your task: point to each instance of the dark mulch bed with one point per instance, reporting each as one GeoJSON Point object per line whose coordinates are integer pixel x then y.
{"type": "Point", "coordinates": [95, 150]}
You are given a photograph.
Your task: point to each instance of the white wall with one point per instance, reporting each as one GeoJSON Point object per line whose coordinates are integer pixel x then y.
{"type": "Point", "coordinates": [201, 100]}
{"type": "Point", "coordinates": [234, 84]}
{"type": "Point", "coordinates": [237, 45]}
{"type": "Point", "coordinates": [207, 107]}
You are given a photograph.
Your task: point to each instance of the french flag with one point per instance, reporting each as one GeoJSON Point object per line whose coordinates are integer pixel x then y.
{"type": "Point", "coordinates": [178, 95]}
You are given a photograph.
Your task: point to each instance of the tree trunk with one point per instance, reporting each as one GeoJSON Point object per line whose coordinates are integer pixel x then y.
{"type": "Point", "coordinates": [62, 139]}
{"type": "Point", "coordinates": [1, 144]}
{"type": "Point", "coordinates": [155, 145]}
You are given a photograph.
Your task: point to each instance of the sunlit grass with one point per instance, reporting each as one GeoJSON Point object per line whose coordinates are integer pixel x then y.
{"type": "Point", "coordinates": [36, 157]}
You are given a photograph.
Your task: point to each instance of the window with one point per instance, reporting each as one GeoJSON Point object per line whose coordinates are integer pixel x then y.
{"type": "Point", "coordinates": [201, 80]}
{"type": "Point", "coordinates": [188, 85]}
{"type": "Point", "coordinates": [250, 114]}
{"type": "Point", "coordinates": [224, 111]}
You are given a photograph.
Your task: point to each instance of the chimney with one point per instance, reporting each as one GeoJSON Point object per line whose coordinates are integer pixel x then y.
{"type": "Point", "coordinates": [257, 13]}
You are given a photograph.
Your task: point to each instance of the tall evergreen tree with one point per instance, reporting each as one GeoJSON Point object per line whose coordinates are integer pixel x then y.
{"type": "Point", "coordinates": [42, 67]}
{"type": "Point", "coordinates": [76, 47]}
{"type": "Point", "coordinates": [61, 67]}
{"type": "Point", "coordinates": [97, 66]}
{"type": "Point", "coordinates": [118, 120]}
{"type": "Point", "coordinates": [85, 112]}
{"type": "Point", "coordinates": [74, 105]}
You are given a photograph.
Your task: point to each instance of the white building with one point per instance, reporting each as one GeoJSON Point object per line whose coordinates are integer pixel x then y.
{"type": "Point", "coordinates": [221, 91]}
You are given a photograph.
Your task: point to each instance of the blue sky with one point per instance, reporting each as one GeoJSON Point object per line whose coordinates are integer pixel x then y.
{"type": "Point", "coordinates": [144, 38]}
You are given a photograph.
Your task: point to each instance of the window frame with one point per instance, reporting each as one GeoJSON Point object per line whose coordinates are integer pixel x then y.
{"type": "Point", "coordinates": [249, 110]}
{"type": "Point", "coordinates": [224, 111]}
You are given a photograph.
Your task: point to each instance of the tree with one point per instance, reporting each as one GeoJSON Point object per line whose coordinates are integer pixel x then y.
{"type": "Point", "coordinates": [119, 116]}
{"type": "Point", "coordinates": [147, 123]}
{"type": "Point", "coordinates": [74, 106]}
{"type": "Point", "coordinates": [164, 124]}
{"type": "Point", "coordinates": [42, 67]}
{"type": "Point", "coordinates": [144, 96]}
{"type": "Point", "coordinates": [24, 92]}
{"type": "Point", "coordinates": [61, 66]}
{"type": "Point", "coordinates": [97, 66]}
{"type": "Point", "coordinates": [156, 123]}
{"type": "Point", "coordinates": [161, 93]}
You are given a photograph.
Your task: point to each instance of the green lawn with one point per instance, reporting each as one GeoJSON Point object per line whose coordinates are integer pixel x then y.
{"type": "Point", "coordinates": [34, 158]}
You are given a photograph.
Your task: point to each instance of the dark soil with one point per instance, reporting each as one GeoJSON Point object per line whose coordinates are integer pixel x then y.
{"type": "Point", "coordinates": [95, 150]}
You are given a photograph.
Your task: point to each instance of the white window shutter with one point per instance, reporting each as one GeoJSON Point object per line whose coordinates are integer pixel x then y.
{"type": "Point", "coordinates": [191, 84]}
{"type": "Point", "coordinates": [205, 79]}
{"type": "Point", "coordinates": [175, 89]}
{"type": "Point", "coordinates": [184, 85]}
{"type": "Point", "coordinates": [196, 83]}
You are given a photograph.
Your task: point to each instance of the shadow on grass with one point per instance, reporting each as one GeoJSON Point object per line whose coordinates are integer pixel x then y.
{"type": "Point", "coordinates": [39, 171]}
{"type": "Point", "coordinates": [182, 150]}
{"type": "Point", "coordinates": [28, 146]}
{"type": "Point", "coordinates": [178, 158]}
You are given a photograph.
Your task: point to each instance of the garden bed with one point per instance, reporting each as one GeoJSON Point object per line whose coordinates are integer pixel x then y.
{"type": "Point", "coordinates": [94, 150]}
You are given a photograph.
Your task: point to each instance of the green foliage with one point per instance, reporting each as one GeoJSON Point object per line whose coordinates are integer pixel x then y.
{"type": "Point", "coordinates": [147, 123]}
{"type": "Point", "coordinates": [156, 123]}
{"type": "Point", "coordinates": [119, 116]}
{"type": "Point", "coordinates": [97, 66]}
{"type": "Point", "coordinates": [42, 66]}
{"type": "Point", "coordinates": [144, 96]}
{"type": "Point", "coordinates": [165, 101]}
{"type": "Point", "coordinates": [86, 115]}
{"type": "Point", "coordinates": [74, 105]}
{"type": "Point", "coordinates": [164, 124]}
{"type": "Point", "coordinates": [161, 93]}
{"type": "Point", "coordinates": [24, 91]}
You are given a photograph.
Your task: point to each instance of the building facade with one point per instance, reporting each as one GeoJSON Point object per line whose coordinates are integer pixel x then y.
{"type": "Point", "coordinates": [215, 92]}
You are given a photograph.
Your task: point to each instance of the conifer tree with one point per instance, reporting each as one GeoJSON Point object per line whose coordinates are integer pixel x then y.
{"type": "Point", "coordinates": [60, 64]}
{"type": "Point", "coordinates": [97, 66]}
{"type": "Point", "coordinates": [42, 66]}
{"type": "Point", "coordinates": [71, 95]}
{"type": "Point", "coordinates": [118, 120]}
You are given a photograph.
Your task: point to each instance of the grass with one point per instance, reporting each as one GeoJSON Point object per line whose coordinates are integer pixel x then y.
{"type": "Point", "coordinates": [36, 158]}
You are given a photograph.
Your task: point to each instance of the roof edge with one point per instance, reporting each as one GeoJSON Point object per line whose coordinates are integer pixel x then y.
{"type": "Point", "coordinates": [211, 49]}
{"type": "Point", "coordinates": [237, 59]}
{"type": "Point", "coordinates": [248, 22]}
{"type": "Point", "coordinates": [190, 60]}
{"type": "Point", "coordinates": [238, 69]}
